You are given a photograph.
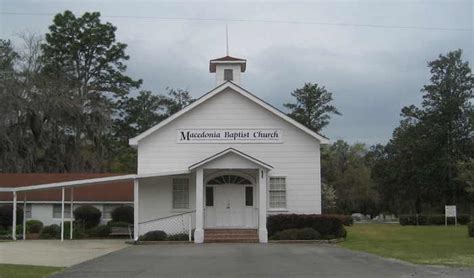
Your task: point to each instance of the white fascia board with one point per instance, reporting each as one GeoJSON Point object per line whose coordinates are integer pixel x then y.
{"type": "Point", "coordinates": [229, 84]}
{"type": "Point", "coordinates": [7, 189]}
{"type": "Point", "coordinates": [171, 173]}
{"type": "Point", "coordinates": [234, 151]}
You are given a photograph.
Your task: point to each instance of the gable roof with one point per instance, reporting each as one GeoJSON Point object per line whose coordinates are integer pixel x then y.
{"type": "Point", "coordinates": [227, 151]}
{"type": "Point", "coordinates": [229, 84]}
{"type": "Point", "coordinates": [227, 60]}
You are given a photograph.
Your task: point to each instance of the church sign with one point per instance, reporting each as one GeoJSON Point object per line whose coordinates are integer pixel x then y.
{"type": "Point", "coordinates": [224, 135]}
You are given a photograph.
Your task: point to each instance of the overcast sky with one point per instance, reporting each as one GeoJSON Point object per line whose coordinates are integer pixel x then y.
{"type": "Point", "coordinates": [372, 72]}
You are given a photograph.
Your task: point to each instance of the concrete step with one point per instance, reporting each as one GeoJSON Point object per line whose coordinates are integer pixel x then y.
{"type": "Point", "coordinates": [230, 235]}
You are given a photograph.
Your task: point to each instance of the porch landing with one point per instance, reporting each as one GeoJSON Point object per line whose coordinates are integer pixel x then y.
{"type": "Point", "coordinates": [230, 236]}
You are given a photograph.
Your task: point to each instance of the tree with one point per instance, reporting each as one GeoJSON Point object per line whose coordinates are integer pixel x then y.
{"type": "Point", "coordinates": [328, 198]}
{"type": "Point", "coordinates": [177, 100]}
{"type": "Point", "coordinates": [140, 113]}
{"type": "Point", "coordinates": [312, 107]}
{"type": "Point", "coordinates": [418, 168]}
{"type": "Point", "coordinates": [136, 115]}
{"type": "Point", "coordinates": [345, 169]}
{"type": "Point", "coordinates": [447, 108]}
{"type": "Point", "coordinates": [83, 53]}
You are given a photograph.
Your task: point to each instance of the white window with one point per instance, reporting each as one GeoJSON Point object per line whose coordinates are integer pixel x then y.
{"type": "Point", "coordinates": [28, 211]}
{"type": "Point", "coordinates": [108, 208]}
{"type": "Point", "coordinates": [181, 193]}
{"type": "Point", "coordinates": [277, 192]}
{"type": "Point", "coordinates": [57, 211]}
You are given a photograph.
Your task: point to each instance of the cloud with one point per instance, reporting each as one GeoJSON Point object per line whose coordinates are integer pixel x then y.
{"type": "Point", "coordinates": [372, 72]}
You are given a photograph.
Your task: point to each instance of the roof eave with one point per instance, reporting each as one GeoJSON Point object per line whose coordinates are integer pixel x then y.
{"type": "Point", "coordinates": [227, 151]}
{"type": "Point", "coordinates": [229, 84]}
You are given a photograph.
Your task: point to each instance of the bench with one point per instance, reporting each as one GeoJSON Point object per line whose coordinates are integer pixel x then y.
{"type": "Point", "coordinates": [121, 231]}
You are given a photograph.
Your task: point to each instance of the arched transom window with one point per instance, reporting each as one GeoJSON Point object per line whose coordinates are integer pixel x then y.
{"type": "Point", "coordinates": [228, 179]}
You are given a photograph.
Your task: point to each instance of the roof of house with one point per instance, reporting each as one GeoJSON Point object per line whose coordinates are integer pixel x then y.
{"type": "Point", "coordinates": [119, 191]}
{"type": "Point", "coordinates": [229, 84]}
{"type": "Point", "coordinates": [225, 60]}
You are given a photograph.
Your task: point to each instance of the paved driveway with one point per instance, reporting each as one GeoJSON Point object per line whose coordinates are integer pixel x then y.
{"type": "Point", "coordinates": [250, 260]}
{"type": "Point", "coordinates": [55, 252]}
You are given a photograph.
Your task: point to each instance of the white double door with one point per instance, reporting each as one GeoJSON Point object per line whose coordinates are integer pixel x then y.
{"type": "Point", "coordinates": [230, 209]}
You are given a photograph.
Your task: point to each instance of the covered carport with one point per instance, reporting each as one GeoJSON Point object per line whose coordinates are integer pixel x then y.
{"type": "Point", "coordinates": [67, 192]}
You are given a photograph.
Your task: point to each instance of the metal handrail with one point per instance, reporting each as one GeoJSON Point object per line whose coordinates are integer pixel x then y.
{"type": "Point", "coordinates": [174, 215]}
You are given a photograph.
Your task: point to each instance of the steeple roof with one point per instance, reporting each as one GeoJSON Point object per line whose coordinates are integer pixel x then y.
{"type": "Point", "coordinates": [227, 59]}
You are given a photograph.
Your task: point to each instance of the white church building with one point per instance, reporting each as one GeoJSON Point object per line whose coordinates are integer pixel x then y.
{"type": "Point", "coordinates": [226, 161]}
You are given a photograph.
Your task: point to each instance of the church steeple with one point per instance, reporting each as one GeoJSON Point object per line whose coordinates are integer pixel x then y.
{"type": "Point", "coordinates": [227, 68]}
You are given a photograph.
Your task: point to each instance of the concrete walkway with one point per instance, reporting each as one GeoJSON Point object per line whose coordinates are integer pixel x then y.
{"type": "Point", "coordinates": [55, 252]}
{"type": "Point", "coordinates": [251, 260]}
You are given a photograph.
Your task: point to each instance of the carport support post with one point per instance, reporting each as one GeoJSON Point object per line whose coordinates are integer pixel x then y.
{"type": "Point", "coordinates": [199, 231]}
{"type": "Point", "coordinates": [62, 214]}
{"type": "Point", "coordinates": [136, 208]}
{"type": "Point", "coordinates": [14, 217]}
{"type": "Point", "coordinates": [71, 214]}
{"type": "Point", "coordinates": [24, 217]}
{"type": "Point", "coordinates": [262, 207]}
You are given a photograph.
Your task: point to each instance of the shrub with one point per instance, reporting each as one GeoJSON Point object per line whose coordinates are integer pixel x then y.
{"type": "Point", "coordinates": [308, 234]}
{"type": "Point", "coordinates": [346, 220]}
{"type": "Point", "coordinates": [464, 219]}
{"type": "Point", "coordinates": [325, 225]}
{"type": "Point", "coordinates": [79, 230]}
{"type": "Point", "coordinates": [34, 226]}
{"type": "Point", "coordinates": [117, 224]}
{"type": "Point", "coordinates": [153, 236]}
{"type": "Point", "coordinates": [6, 216]}
{"type": "Point", "coordinates": [51, 231]}
{"type": "Point", "coordinates": [341, 233]}
{"type": "Point", "coordinates": [470, 229]}
{"type": "Point", "coordinates": [297, 234]}
{"type": "Point", "coordinates": [99, 231]}
{"type": "Point", "coordinates": [178, 237]}
{"type": "Point", "coordinates": [123, 214]}
{"type": "Point", "coordinates": [432, 219]}
{"type": "Point", "coordinates": [88, 215]}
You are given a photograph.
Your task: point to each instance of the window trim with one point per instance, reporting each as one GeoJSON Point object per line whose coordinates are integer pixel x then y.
{"type": "Point", "coordinates": [173, 195]}
{"type": "Point", "coordinates": [282, 209]}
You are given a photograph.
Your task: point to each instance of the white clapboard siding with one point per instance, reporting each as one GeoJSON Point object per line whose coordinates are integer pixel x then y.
{"type": "Point", "coordinates": [297, 157]}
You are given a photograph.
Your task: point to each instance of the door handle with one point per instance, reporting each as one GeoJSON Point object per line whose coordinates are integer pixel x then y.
{"type": "Point", "coordinates": [228, 206]}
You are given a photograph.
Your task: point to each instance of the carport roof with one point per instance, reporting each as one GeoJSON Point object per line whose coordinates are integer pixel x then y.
{"type": "Point", "coordinates": [112, 192]}
{"type": "Point", "coordinates": [87, 182]}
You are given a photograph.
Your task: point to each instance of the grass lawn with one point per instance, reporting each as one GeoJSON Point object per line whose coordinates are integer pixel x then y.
{"type": "Point", "coordinates": [26, 271]}
{"type": "Point", "coordinates": [434, 245]}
